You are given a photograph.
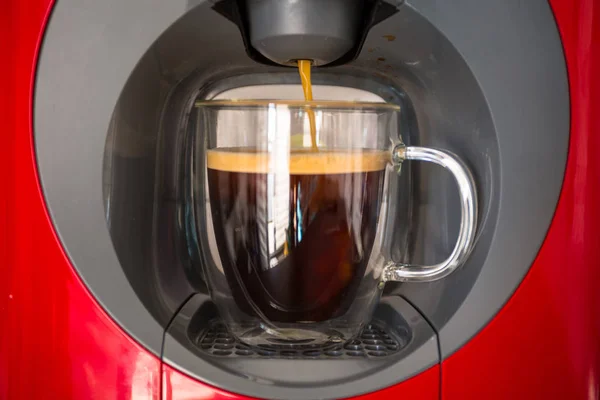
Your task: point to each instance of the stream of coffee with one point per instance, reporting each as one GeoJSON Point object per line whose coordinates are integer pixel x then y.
{"type": "Point", "coordinates": [304, 67]}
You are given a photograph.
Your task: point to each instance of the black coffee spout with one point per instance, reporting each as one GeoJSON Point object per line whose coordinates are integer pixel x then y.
{"type": "Point", "coordinates": [327, 32]}
{"type": "Point", "coordinates": [288, 30]}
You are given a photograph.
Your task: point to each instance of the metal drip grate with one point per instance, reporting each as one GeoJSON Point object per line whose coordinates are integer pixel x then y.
{"type": "Point", "coordinates": [375, 341]}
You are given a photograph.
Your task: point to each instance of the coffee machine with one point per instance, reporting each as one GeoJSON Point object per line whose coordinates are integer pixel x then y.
{"type": "Point", "coordinates": [104, 297]}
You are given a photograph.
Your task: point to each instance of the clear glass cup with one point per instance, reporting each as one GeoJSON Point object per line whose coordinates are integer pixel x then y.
{"type": "Point", "coordinates": [291, 219]}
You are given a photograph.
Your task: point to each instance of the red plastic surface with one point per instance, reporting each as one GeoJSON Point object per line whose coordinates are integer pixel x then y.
{"type": "Point", "coordinates": [545, 343]}
{"type": "Point", "coordinates": [177, 386]}
{"type": "Point", "coordinates": [425, 386]}
{"type": "Point", "coordinates": [55, 340]}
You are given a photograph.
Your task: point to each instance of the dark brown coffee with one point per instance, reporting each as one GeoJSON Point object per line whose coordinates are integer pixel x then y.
{"type": "Point", "coordinates": [294, 235]}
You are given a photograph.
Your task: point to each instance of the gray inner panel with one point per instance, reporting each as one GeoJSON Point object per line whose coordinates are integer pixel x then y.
{"type": "Point", "coordinates": [302, 378]}
{"type": "Point", "coordinates": [89, 50]}
{"type": "Point", "coordinates": [514, 52]}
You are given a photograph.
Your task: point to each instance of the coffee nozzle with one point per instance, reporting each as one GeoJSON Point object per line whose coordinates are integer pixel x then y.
{"type": "Point", "coordinates": [285, 31]}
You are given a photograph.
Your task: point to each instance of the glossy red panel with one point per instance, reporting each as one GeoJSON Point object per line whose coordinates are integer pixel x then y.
{"type": "Point", "coordinates": [425, 386]}
{"type": "Point", "coordinates": [177, 386]}
{"type": "Point", "coordinates": [55, 341]}
{"type": "Point", "coordinates": [545, 343]}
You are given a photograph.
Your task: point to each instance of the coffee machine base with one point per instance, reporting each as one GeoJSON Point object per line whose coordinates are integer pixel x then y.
{"type": "Point", "coordinates": [201, 346]}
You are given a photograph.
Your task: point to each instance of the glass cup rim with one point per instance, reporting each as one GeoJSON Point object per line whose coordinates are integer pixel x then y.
{"type": "Point", "coordinates": [341, 105]}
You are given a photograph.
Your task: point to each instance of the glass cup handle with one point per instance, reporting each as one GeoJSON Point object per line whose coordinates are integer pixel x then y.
{"type": "Point", "coordinates": [468, 220]}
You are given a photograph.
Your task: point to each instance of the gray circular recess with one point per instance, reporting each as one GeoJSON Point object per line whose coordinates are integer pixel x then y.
{"type": "Point", "coordinates": [512, 48]}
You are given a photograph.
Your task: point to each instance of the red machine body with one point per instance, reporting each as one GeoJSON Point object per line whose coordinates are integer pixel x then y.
{"type": "Point", "coordinates": [57, 342]}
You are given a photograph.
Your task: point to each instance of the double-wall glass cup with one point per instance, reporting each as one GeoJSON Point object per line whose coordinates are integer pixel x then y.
{"type": "Point", "coordinates": [291, 205]}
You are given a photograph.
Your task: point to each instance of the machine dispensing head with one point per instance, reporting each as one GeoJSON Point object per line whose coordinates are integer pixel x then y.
{"type": "Point", "coordinates": [323, 31]}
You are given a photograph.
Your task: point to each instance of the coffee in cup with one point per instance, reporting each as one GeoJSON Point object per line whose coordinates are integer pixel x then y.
{"type": "Point", "coordinates": [294, 233]}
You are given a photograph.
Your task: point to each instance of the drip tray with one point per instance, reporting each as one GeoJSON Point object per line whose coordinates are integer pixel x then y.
{"type": "Point", "coordinates": [375, 341]}
{"type": "Point", "coordinates": [397, 344]}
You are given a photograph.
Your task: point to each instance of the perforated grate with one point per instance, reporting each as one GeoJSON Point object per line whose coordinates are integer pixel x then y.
{"type": "Point", "coordinates": [375, 341]}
